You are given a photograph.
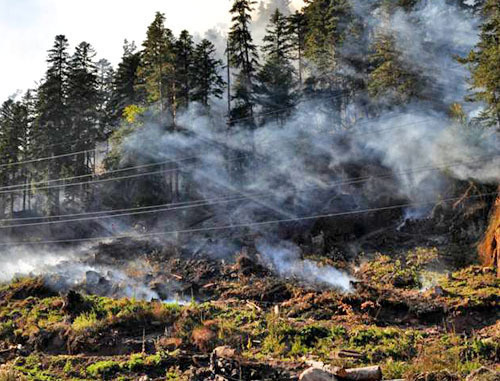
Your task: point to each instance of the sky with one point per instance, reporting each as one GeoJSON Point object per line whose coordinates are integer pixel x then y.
{"type": "Point", "coordinates": [28, 28]}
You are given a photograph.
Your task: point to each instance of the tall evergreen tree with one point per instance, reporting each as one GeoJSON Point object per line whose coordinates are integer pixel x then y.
{"type": "Point", "coordinates": [244, 58]}
{"type": "Point", "coordinates": [83, 99]}
{"type": "Point", "coordinates": [13, 127]}
{"type": "Point", "coordinates": [125, 92]}
{"type": "Point", "coordinates": [53, 119]}
{"type": "Point", "coordinates": [206, 80]}
{"type": "Point", "coordinates": [484, 64]}
{"type": "Point", "coordinates": [105, 81]}
{"type": "Point", "coordinates": [391, 78]}
{"type": "Point", "coordinates": [184, 48]}
{"type": "Point", "coordinates": [326, 22]}
{"type": "Point", "coordinates": [157, 65]}
{"type": "Point", "coordinates": [276, 77]}
{"type": "Point", "coordinates": [298, 28]}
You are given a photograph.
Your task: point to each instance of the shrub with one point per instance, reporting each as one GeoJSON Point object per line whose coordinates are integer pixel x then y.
{"type": "Point", "coordinates": [103, 369]}
{"type": "Point", "coordinates": [84, 321]}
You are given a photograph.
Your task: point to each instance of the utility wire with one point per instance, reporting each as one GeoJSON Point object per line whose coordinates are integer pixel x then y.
{"type": "Point", "coordinates": [243, 225]}
{"type": "Point", "coordinates": [37, 160]}
{"type": "Point", "coordinates": [23, 187]}
{"type": "Point", "coordinates": [216, 201]}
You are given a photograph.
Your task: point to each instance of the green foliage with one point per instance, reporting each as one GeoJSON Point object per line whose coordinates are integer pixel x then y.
{"type": "Point", "coordinates": [484, 64]}
{"type": "Point", "coordinates": [206, 80]}
{"type": "Point", "coordinates": [276, 82]}
{"type": "Point", "coordinates": [155, 73]}
{"type": "Point", "coordinates": [103, 369]}
{"type": "Point", "coordinates": [391, 79]}
{"type": "Point", "coordinates": [85, 321]}
{"type": "Point", "coordinates": [243, 57]}
{"type": "Point", "coordinates": [327, 21]}
{"type": "Point", "coordinates": [184, 62]}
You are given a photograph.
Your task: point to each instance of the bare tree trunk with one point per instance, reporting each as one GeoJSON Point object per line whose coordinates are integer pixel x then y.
{"type": "Point", "coordinates": [489, 248]}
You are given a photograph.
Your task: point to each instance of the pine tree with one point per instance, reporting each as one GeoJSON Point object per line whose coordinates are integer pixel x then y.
{"type": "Point", "coordinates": [157, 66]}
{"type": "Point", "coordinates": [484, 64]}
{"type": "Point", "coordinates": [327, 21]}
{"type": "Point", "coordinates": [391, 79]}
{"type": "Point", "coordinates": [297, 25]}
{"type": "Point", "coordinates": [125, 92]}
{"type": "Point", "coordinates": [105, 81]}
{"type": "Point", "coordinates": [184, 47]}
{"type": "Point", "coordinates": [206, 80]}
{"type": "Point", "coordinates": [276, 78]}
{"type": "Point", "coordinates": [52, 98]}
{"type": "Point", "coordinates": [53, 119]}
{"type": "Point", "coordinates": [13, 126]}
{"type": "Point", "coordinates": [243, 57]}
{"type": "Point", "coordinates": [83, 100]}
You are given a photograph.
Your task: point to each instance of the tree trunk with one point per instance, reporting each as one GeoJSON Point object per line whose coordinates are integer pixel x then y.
{"type": "Point", "coordinates": [489, 247]}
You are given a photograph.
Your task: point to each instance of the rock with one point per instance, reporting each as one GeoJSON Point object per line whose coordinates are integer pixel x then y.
{"type": "Point", "coordinates": [317, 374]}
{"type": "Point", "coordinates": [483, 374]}
{"type": "Point", "coordinates": [224, 352]}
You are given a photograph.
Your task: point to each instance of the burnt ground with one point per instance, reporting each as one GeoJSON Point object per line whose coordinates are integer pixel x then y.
{"type": "Point", "coordinates": [419, 306]}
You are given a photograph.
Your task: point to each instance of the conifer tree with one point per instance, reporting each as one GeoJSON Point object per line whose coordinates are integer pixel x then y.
{"type": "Point", "coordinates": [391, 79]}
{"type": "Point", "coordinates": [276, 79]}
{"type": "Point", "coordinates": [297, 24]}
{"type": "Point", "coordinates": [105, 80]}
{"type": "Point", "coordinates": [484, 64]}
{"type": "Point", "coordinates": [13, 126]}
{"type": "Point", "coordinates": [83, 100]}
{"type": "Point", "coordinates": [326, 22]}
{"type": "Point", "coordinates": [125, 92]}
{"type": "Point", "coordinates": [53, 119]}
{"type": "Point", "coordinates": [184, 47]}
{"type": "Point", "coordinates": [206, 80]}
{"type": "Point", "coordinates": [243, 53]}
{"type": "Point", "coordinates": [157, 65]}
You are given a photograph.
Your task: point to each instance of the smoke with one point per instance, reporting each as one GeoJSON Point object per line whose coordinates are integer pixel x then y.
{"type": "Point", "coordinates": [71, 269]}
{"type": "Point", "coordinates": [285, 258]}
{"type": "Point", "coordinates": [19, 262]}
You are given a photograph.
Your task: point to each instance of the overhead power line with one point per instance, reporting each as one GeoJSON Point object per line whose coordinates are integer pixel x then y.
{"type": "Point", "coordinates": [48, 158]}
{"type": "Point", "coordinates": [243, 225]}
{"type": "Point", "coordinates": [21, 187]}
{"type": "Point", "coordinates": [41, 159]}
{"type": "Point", "coordinates": [209, 202]}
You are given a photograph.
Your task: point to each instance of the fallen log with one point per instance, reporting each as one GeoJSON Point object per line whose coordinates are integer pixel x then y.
{"type": "Point", "coordinates": [370, 373]}
{"type": "Point", "coordinates": [321, 372]}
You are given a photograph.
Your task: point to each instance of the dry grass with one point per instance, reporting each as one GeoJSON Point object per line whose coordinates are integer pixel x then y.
{"type": "Point", "coordinates": [10, 375]}
{"type": "Point", "coordinates": [204, 338]}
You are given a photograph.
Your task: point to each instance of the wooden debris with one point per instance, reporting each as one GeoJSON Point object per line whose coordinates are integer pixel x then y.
{"type": "Point", "coordinates": [178, 277]}
{"type": "Point", "coordinates": [370, 373]}
{"type": "Point", "coordinates": [345, 353]}
{"type": "Point", "coordinates": [321, 372]}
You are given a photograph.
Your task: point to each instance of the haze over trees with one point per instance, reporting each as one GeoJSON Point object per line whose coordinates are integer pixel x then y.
{"type": "Point", "coordinates": [328, 50]}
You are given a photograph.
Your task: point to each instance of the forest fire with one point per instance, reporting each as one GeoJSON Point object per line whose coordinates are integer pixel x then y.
{"type": "Point", "coordinates": [309, 191]}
